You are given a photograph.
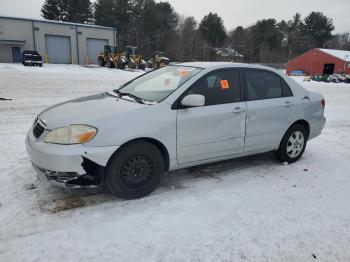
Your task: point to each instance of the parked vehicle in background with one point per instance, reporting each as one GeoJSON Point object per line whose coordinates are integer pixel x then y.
{"type": "Point", "coordinates": [335, 78]}
{"type": "Point", "coordinates": [347, 78]}
{"type": "Point", "coordinates": [133, 58]}
{"type": "Point", "coordinates": [158, 60]}
{"type": "Point", "coordinates": [31, 58]}
{"type": "Point", "coordinates": [341, 78]}
{"type": "Point", "coordinates": [111, 57]}
{"type": "Point", "coordinates": [172, 118]}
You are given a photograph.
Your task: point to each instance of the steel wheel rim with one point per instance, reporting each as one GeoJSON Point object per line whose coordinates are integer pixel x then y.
{"type": "Point", "coordinates": [137, 172]}
{"type": "Point", "coordinates": [295, 144]}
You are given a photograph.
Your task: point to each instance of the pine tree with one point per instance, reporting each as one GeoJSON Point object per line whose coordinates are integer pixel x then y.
{"type": "Point", "coordinates": [295, 37]}
{"type": "Point", "coordinates": [115, 13]}
{"type": "Point", "coordinates": [78, 11]}
{"type": "Point", "coordinates": [213, 30]}
{"type": "Point", "coordinates": [318, 29]}
{"type": "Point", "coordinates": [51, 10]}
{"type": "Point", "coordinates": [237, 39]}
{"type": "Point", "coordinates": [187, 31]}
{"type": "Point", "coordinates": [104, 13]}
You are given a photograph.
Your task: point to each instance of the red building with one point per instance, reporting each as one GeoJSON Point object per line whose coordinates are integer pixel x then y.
{"type": "Point", "coordinates": [321, 61]}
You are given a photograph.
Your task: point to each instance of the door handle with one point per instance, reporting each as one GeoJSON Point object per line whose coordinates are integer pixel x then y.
{"type": "Point", "coordinates": [238, 110]}
{"type": "Point", "coordinates": [288, 104]}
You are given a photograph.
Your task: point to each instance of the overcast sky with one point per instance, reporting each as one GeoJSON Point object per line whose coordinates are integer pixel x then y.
{"type": "Point", "coordinates": [234, 12]}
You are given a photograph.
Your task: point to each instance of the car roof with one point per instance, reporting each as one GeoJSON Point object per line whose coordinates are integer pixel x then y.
{"type": "Point", "coordinates": [218, 65]}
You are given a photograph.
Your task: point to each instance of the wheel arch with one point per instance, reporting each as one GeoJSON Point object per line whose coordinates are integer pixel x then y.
{"type": "Point", "coordinates": [303, 123]}
{"type": "Point", "coordinates": [161, 147]}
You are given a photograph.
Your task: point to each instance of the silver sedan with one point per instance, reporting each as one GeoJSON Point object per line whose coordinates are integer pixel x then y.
{"type": "Point", "coordinates": [172, 118]}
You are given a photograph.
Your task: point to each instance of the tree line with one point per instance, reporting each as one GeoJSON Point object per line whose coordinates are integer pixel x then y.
{"type": "Point", "coordinates": [156, 26]}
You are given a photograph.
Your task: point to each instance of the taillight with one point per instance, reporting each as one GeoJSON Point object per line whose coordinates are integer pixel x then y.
{"type": "Point", "coordinates": [323, 103]}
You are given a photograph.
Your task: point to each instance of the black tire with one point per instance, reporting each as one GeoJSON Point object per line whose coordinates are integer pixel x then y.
{"type": "Point", "coordinates": [110, 64]}
{"type": "Point", "coordinates": [156, 65]}
{"type": "Point", "coordinates": [135, 171]}
{"type": "Point", "coordinates": [291, 152]}
{"type": "Point", "coordinates": [101, 62]}
{"type": "Point", "coordinates": [40, 65]}
{"type": "Point", "coordinates": [142, 67]}
{"type": "Point", "coordinates": [131, 65]}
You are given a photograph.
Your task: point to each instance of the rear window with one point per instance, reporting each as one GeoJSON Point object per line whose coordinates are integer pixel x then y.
{"type": "Point", "coordinates": [265, 85]}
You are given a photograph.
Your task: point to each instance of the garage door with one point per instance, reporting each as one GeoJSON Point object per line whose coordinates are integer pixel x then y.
{"type": "Point", "coordinates": [94, 48]}
{"type": "Point", "coordinates": [58, 49]}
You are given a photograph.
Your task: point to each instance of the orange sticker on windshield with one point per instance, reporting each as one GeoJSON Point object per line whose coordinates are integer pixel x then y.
{"type": "Point", "coordinates": [184, 73]}
{"type": "Point", "coordinates": [224, 84]}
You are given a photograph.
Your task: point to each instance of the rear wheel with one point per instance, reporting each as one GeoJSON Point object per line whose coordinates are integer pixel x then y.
{"type": "Point", "coordinates": [101, 62]}
{"type": "Point", "coordinates": [156, 65]}
{"type": "Point", "coordinates": [110, 64]}
{"type": "Point", "coordinates": [142, 67]}
{"type": "Point", "coordinates": [293, 144]}
{"type": "Point", "coordinates": [131, 65]}
{"type": "Point", "coordinates": [135, 171]}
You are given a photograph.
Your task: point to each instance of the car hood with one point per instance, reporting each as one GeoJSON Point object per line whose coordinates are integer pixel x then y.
{"type": "Point", "coordinates": [87, 110]}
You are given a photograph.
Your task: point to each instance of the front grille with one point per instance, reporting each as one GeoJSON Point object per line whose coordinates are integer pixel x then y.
{"type": "Point", "coordinates": [38, 130]}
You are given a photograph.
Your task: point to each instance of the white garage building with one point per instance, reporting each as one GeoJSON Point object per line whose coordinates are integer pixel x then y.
{"type": "Point", "coordinates": [57, 42]}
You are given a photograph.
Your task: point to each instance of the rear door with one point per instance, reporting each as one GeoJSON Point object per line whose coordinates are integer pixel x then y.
{"type": "Point", "coordinates": [270, 106]}
{"type": "Point", "coordinates": [216, 129]}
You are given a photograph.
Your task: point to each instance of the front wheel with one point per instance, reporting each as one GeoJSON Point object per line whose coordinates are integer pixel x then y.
{"type": "Point", "coordinates": [142, 67]}
{"type": "Point", "coordinates": [110, 64]}
{"type": "Point", "coordinates": [293, 144]}
{"type": "Point", "coordinates": [135, 171]}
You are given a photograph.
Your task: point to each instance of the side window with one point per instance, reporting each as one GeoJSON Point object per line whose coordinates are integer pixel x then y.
{"type": "Point", "coordinates": [221, 87]}
{"type": "Point", "coordinates": [265, 85]}
{"type": "Point", "coordinates": [285, 89]}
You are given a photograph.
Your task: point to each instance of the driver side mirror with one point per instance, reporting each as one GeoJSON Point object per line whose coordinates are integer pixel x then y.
{"type": "Point", "coordinates": [193, 101]}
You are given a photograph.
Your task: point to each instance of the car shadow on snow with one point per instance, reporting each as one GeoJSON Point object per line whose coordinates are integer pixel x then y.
{"type": "Point", "coordinates": [219, 170]}
{"type": "Point", "coordinates": [53, 200]}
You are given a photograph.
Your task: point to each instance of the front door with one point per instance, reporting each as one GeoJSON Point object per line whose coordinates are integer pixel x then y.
{"type": "Point", "coordinates": [328, 69]}
{"type": "Point", "coordinates": [16, 54]}
{"type": "Point", "coordinates": [270, 106]}
{"type": "Point", "coordinates": [218, 128]}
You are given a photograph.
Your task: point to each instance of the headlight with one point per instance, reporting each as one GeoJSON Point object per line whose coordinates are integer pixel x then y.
{"type": "Point", "coordinates": [69, 135]}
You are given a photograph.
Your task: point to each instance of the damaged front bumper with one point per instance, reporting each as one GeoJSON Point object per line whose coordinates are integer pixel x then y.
{"type": "Point", "coordinates": [73, 166]}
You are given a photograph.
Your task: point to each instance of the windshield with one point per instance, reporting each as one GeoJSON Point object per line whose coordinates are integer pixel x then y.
{"type": "Point", "coordinates": [159, 84]}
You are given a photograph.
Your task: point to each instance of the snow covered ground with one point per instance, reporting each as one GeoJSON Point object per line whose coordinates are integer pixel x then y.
{"type": "Point", "coordinates": [250, 209]}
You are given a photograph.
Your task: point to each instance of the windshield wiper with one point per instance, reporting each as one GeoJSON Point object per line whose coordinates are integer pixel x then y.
{"type": "Point", "coordinates": [136, 98]}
